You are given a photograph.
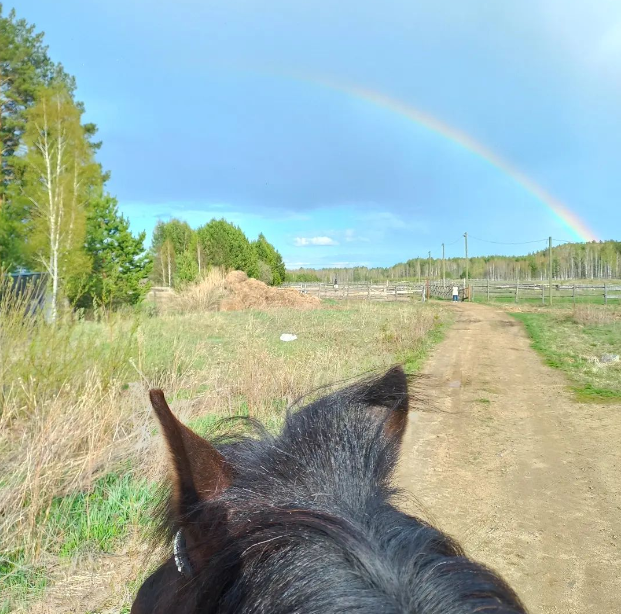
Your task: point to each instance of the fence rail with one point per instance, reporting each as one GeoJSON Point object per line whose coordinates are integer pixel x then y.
{"type": "Point", "coordinates": [388, 291]}
{"type": "Point", "coordinates": [362, 291]}
{"type": "Point", "coordinates": [479, 290]}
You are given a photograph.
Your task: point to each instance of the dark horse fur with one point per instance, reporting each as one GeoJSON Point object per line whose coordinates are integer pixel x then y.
{"type": "Point", "coordinates": [303, 522]}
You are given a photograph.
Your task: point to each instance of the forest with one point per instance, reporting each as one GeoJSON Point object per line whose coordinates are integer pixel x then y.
{"type": "Point", "coordinates": [593, 260]}
{"type": "Point", "coordinates": [181, 255]}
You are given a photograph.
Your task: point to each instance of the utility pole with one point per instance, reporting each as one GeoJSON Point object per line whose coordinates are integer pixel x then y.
{"type": "Point", "coordinates": [443, 269]}
{"type": "Point", "coordinates": [466, 241]}
{"type": "Point", "coordinates": [550, 266]}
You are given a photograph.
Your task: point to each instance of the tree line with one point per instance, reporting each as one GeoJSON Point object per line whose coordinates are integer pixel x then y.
{"type": "Point", "coordinates": [181, 254]}
{"type": "Point", "coordinates": [56, 214]}
{"type": "Point", "coordinates": [594, 260]}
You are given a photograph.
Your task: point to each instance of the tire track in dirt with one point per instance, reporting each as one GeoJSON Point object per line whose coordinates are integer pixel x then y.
{"type": "Point", "coordinates": [524, 477]}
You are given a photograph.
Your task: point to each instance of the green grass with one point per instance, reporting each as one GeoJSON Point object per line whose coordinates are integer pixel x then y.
{"type": "Point", "coordinates": [19, 577]}
{"type": "Point", "coordinates": [95, 521]}
{"type": "Point", "coordinates": [557, 301]}
{"type": "Point", "coordinates": [413, 358]}
{"type": "Point", "coordinates": [575, 349]}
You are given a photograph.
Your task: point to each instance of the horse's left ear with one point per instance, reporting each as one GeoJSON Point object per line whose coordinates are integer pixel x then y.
{"type": "Point", "coordinates": [199, 470]}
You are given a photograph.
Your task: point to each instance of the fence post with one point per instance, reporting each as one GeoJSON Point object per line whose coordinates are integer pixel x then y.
{"type": "Point", "coordinates": [543, 294]}
{"type": "Point", "coordinates": [396, 297]}
{"type": "Point", "coordinates": [573, 294]}
{"type": "Point", "coordinates": [369, 291]}
{"type": "Point", "coordinates": [471, 293]}
{"type": "Point", "coordinates": [488, 289]}
{"type": "Point", "coordinates": [605, 294]}
{"type": "Point", "coordinates": [517, 290]}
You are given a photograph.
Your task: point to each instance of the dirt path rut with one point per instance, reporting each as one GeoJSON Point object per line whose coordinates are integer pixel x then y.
{"type": "Point", "coordinates": [524, 477]}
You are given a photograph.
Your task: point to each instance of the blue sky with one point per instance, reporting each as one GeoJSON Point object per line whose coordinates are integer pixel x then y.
{"type": "Point", "coordinates": [207, 109]}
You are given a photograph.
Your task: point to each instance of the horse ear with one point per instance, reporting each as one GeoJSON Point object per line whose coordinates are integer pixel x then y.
{"type": "Point", "coordinates": [199, 470]}
{"type": "Point", "coordinates": [388, 392]}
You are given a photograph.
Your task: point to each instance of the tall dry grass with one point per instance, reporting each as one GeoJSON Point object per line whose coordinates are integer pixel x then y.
{"type": "Point", "coordinates": [204, 295]}
{"type": "Point", "coordinates": [596, 315]}
{"type": "Point", "coordinates": [62, 422]}
{"type": "Point", "coordinates": [249, 367]}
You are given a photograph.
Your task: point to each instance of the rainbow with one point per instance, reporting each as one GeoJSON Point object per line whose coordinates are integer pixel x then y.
{"type": "Point", "coordinates": [568, 218]}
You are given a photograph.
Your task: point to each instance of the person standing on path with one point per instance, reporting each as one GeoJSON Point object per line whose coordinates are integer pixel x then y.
{"type": "Point", "coordinates": [455, 293]}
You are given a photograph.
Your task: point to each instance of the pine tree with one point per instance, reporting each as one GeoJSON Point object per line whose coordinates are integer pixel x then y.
{"type": "Point", "coordinates": [268, 255]}
{"type": "Point", "coordinates": [119, 264]}
{"type": "Point", "coordinates": [24, 66]}
{"type": "Point", "coordinates": [226, 245]}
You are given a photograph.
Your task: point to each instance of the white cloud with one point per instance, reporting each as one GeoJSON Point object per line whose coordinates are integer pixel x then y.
{"type": "Point", "coordinates": [351, 236]}
{"type": "Point", "coordinates": [303, 241]}
{"type": "Point", "coordinates": [344, 264]}
{"type": "Point", "coordinates": [386, 220]}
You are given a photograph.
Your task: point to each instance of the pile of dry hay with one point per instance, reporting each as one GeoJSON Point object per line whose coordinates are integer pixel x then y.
{"type": "Point", "coordinates": [242, 292]}
{"type": "Point", "coordinates": [218, 291]}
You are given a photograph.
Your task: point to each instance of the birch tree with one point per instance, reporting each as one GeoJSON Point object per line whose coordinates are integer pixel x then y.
{"type": "Point", "coordinates": [59, 171]}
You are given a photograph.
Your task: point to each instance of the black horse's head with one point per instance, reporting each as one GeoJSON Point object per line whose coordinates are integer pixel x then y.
{"type": "Point", "coordinates": [303, 522]}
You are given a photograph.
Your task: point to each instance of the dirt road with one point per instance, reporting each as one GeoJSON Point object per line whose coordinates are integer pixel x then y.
{"type": "Point", "coordinates": [524, 477]}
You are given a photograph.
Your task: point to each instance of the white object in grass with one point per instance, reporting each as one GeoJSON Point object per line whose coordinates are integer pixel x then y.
{"type": "Point", "coordinates": [288, 337]}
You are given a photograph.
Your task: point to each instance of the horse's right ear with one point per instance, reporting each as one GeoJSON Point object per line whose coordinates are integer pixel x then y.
{"type": "Point", "coordinates": [388, 394]}
{"type": "Point", "coordinates": [199, 471]}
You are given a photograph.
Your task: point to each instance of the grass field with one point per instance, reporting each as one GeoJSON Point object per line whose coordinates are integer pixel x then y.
{"type": "Point", "coordinates": [79, 449]}
{"type": "Point", "coordinates": [585, 293]}
{"type": "Point", "coordinates": [563, 301]}
{"type": "Point", "coordinates": [575, 340]}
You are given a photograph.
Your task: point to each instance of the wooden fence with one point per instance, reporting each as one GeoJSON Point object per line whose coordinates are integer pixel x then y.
{"type": "Point", "coordinates": [479, 290]}
{"type": "Point", "coordinates": [516, 291]}
{"type": "Point", "coordinates": [390, 291]}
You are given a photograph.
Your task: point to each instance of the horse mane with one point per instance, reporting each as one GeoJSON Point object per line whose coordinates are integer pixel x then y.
{"type": "Point", "coordinates": [306, 523]}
